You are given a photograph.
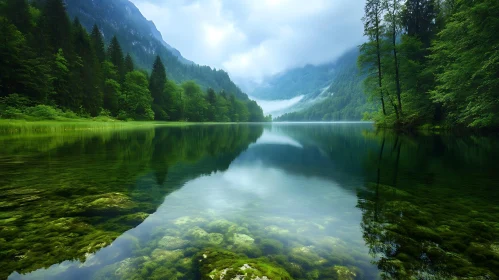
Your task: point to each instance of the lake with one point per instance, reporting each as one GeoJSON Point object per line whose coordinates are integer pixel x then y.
{"type": "Point", "coordinates": [286, 201]}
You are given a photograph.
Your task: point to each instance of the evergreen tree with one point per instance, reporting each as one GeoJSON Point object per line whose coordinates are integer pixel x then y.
{"type": "Point", "coordinates": [129, 66]}
{"type": "Point", "coordinates": [17, 12]}
{"type": "Point", "coordinates": [56, 27]}
{"type": "Point", "coordinates": [87, 73]}
{"type": "Point", "coordinates": [156, 87]}
{"type": "Point", "coordinates": [115, 56]}
{"type": "Point", "coordinates": [98, 44]}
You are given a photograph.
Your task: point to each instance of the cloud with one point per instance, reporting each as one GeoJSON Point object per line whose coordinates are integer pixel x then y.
{"type": "Point", "coordinates": [252, 39]}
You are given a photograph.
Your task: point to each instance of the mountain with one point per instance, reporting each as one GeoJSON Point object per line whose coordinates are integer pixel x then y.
{"type": "Point", "coordinates": [295, 82]}
{"type": "Point", "coordinates": [144, 42]}
{"type": "Point", "coordinates": [329, 92]}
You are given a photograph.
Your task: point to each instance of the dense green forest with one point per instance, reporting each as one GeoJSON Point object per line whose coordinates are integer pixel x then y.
{"type": "Point", "coordinates": [342, 100]}
{"type": "Point", "coordinates": [432, 62]}
{"type": "Point", "coordinates": [51, 68]}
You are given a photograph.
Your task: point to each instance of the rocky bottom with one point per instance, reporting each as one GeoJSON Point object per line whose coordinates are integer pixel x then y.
{"type": "Point", "coordinates": [192, 247]}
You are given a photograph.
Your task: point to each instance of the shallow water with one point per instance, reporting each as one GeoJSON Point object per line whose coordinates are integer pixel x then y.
{"type": "Point", "coordinates": [320, 201]}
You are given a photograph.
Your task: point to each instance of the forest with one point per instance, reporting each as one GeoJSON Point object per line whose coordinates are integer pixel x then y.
{"type": "Point", "coordinates": [52, 68]}
{"type": "Point", "coordinates": [432, 63]}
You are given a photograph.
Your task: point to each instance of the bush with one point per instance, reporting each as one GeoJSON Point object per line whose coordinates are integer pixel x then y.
{"type": "Point", "coordinates": [43, 112]}
{"type": "Point", "coordinates": [11, 113]}
{"type": "Point", "coordinates": [70, 115]}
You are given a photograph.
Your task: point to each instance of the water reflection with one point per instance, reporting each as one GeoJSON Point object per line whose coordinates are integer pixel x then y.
{"type": "Point", "coordinates": [65, 196]}
{"type": "Point", "coordinates": [431, 212]}
{"type": "Point", "coordinates": [322, 201]}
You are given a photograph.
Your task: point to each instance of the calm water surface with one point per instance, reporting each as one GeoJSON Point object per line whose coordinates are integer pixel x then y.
{"type": "Point", "coordinates": [320, 201]}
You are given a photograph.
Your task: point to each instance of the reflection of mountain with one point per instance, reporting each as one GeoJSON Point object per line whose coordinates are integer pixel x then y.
{"type": "Point", "coordinates": [63, 197]}
{"type": "Point", "coordinates": [327, 151]}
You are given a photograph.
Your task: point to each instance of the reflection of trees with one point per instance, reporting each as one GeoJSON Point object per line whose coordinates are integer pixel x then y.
{"type": "Point", "coordinates": [420, 218]}
{"type": "Point", "coordinates": [65, 196]}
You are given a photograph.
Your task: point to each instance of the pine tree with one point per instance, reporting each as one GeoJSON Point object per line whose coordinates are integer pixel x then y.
{"type": "Point", "coordinates": [156, 87]}
{"type": "Point", "coordinates": [87, 72]}
{"type": "Point", "coordinates": [129, 66]}
{"type": "Point", "coordinates": [56, 27]}
{"type": "Point", "coordinates": [115, 56]}
{"type": "Point", "coordinates": [17, 12]}
{"type": "Point", "coordinates": [98, 44]}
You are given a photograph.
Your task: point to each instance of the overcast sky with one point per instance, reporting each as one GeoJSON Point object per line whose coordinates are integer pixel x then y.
{"type": "Point", "coordinates": [252, 39]}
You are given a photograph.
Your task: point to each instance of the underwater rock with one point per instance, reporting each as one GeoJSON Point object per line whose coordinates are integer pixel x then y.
{"type": "Point", "coordinates": [225, 265]}
{"type": "Point", "coordinates": [275, 230]}
{"type": "Point", "coordinates": [196, 233]}
{"type": "Point", "coordinates": [271, 246]}
{"type": "Point", "coordinates": [344, 273]}
{"type": "Point", "coordinates": [172, 243]}
{"type": "Point", "coordinates": [306, 256]}
{"type": "Point", "coordinates": [109, 202]}
{"type": "Point", "coordinates": [187, 220]}
{"type": "Point", "coordinates": [220, 226]}
{"type": "Point", "coordinates": [133, 219]}
{"type": "Point", "coordinates": [160, 254]}
{"type": "Point", "coordinates": [243, 240]}
{"type": "Point", "coordinates": [236, 229]}
{"type": "Point", "coordinates": [199, 234]}
{"type": "Point", "coordinates": [124, 267]}
{"type": "Point", "coordinates": [330, 243]}
{"type": "Point", "coordinates": [215, 238]}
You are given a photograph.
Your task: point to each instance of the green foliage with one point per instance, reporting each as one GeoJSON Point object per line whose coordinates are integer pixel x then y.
{"type": "Point", "coordinates": [136, 98]}
{"type": "Point", "coordinates": [453, 80]}
{"type": "Point", "coordinates": [466, 57]}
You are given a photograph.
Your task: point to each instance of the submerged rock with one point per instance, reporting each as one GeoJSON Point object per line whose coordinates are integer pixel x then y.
{"type": "Point", "coordinates": [243, 240]}
{"type": "Point", "coordinates": [220, 226]}
{"type": "Point", "coordinates": [200, 235]}
{"type": "Point", "coordinates": [275, 230]}
{"type": "Point", "coordinates": [306, 256]}
{"type": "Point", "coordinates": [172, 243]}
{"type": "Point", "coordinates": [196, 233]}
{"type": "Point", "coordinates": [226, 265]}
{"type": "Point", "coordinates": [160, 254]}
{"type": "Point", "coordinates": [187, 220]}
{"type": "Point", "coordinates": [344, 273]}
{"type": "Point", "coordinates": [215, 238]}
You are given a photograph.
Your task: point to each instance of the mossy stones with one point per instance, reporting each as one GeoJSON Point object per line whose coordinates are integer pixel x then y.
{"type": "Point", "coordinates": [345, 273]}
{"type": "Point", "coordinates": [189, 221]}
{"type": "Point", "coordinates": [196, 233]}
{"type": "Point", "coordinates": [275, 230]}
{"type": "Point", "coordinates": [215, 238]}
{"type": "Point", "coordinates": [172, 243]}
{"type": "Point", "coordinates": [168, 255]}
{"type": "Point", "coordinates": [224, 265]}
{"type": "Point", "coordinates": [243, 239]}
{"type": "Point", "coordinates": [271, 246]}
{"type": "Point", "coordinates": [306, 256]}
{"type": "Point", "coordinates": [220, 226]}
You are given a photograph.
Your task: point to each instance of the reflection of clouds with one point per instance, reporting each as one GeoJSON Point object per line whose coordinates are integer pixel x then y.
{"type": "Point", "coordinates": [269, 137]}
{"type": "Point", "coordinates": [277, 107]}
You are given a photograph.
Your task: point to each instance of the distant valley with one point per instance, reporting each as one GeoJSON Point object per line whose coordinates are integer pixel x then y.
{"type": "Point", "coordinates": [328, 92]}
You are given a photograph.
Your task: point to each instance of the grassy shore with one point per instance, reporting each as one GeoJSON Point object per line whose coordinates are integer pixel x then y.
{"type": "Point", "coordinates": [10, 126]}
{"type": "Point", "coordinates": [46, 126]}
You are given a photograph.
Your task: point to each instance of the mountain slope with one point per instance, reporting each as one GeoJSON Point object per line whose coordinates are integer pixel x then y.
{"type": "Point", "coordinates": [143, 41]}
{"type": "Point", "coordinates": [331, 91]}
{"type": "Point", "coordinates": [295, 82]}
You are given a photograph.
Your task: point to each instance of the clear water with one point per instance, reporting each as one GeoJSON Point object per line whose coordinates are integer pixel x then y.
{"type": "Point", "coordinates": [320, 201]}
